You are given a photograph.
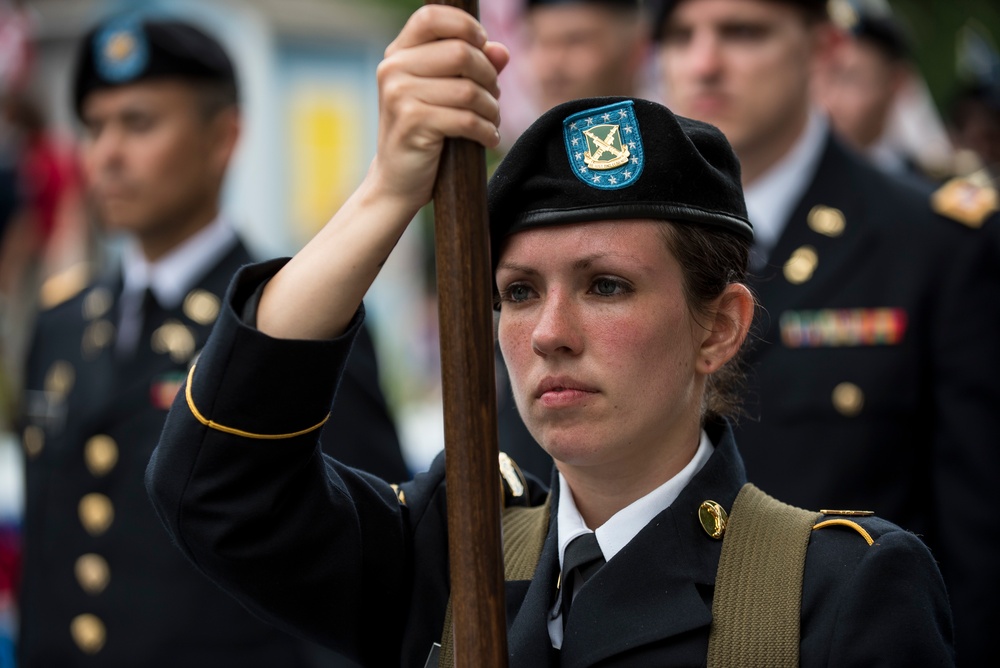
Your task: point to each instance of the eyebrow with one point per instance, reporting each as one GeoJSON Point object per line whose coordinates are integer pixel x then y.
{"type": "Point", "coordinates": [581, 263]}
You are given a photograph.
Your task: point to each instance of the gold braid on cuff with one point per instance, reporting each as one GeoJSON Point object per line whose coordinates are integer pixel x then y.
{"type": "Point", "coordinates": [211, 424]}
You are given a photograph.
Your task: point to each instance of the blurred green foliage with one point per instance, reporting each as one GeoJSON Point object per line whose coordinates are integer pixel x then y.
{"type": "Point", "coordinates": [934, 26]}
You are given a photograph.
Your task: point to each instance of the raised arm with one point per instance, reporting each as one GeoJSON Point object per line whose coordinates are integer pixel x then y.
{"type": "Point", "coordinates": [438, 80]}
{"type": "Point", "coordinates": [238, 478]}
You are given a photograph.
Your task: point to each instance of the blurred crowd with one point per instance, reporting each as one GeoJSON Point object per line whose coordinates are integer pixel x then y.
{"type": "Point", "coordinates": [869, 90]}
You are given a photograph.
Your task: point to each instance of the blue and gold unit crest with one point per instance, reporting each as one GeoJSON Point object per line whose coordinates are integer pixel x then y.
{"type": "Point", "coordinates": [604, 145]}
{"type": "Point", "coordinates": [120, 50]}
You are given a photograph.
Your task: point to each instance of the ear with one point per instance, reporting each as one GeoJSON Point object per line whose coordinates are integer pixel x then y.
{"type": "Point", "coordinates": [729, 327]}
{"type": "Point", "coordinates": [827, 40]}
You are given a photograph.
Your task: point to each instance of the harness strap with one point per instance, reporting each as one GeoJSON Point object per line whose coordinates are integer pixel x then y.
{"type": "Point", "coordinates": [758, 587]}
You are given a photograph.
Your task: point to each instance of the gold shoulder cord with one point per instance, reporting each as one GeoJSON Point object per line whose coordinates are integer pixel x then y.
{"type": "Point", "coordinates": [211, 424]}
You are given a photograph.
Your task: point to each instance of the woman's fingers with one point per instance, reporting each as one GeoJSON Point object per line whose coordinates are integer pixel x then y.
{"type": "Point", "coordinates": [435, 22]}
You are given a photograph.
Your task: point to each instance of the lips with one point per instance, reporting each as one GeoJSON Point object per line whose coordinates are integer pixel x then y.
{"type": "Point", "coordinates": [558, 392]}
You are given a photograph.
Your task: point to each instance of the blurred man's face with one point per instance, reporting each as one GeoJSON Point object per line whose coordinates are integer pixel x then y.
{"type": "Point", "coordinates": [153, 162]}
{"type": "Point", "coordinates": [583, 50]}
{"type": "Point", "coordinates": [858, 91]}
{"type": "Point", "coordinates": [742, 65]}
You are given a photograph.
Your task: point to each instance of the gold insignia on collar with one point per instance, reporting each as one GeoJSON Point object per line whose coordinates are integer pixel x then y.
{"type": "Point", "coordinates": [400, 494]}
{"type": "Point", "coordinates": [849, 513]}
{"type": "Point", "coordinates": [174, 339]}
{"type": "Point", "coordinates": [97, 303]}
{"type": "Point", "coordinates": [201, 306]}
{"type": "Point", "coordinates": [604, 140]}
{"type": "Point", "coordinates": [512, 476]}
{"type": "Point", "coordinates": [969, 200]}
{"type": "Point", "coordinates": [800, 266]}
{"type": "Point", "coordinates": [713, 518]}
{"type": "Point", "coordinates": [826, 220]}
{"type": "Point", "coordinates": [59, 380]}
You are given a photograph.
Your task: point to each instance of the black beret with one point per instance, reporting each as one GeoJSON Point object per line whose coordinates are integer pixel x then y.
{"type": "Point", "coordinates": [129, 49]}
{"type": "Point", "coordinates": [615, 158]}
{"type": "Point", "coordinates": [872, 20]}
{"type": "Point", "coordinates": [660, 11]}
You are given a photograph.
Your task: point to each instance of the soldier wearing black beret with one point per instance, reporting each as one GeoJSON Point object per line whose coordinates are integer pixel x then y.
{"type": "Point", "coordinates": [620, 242]}
{"type": "Point", "coordinates": [103, 586]}
{"type": "Point", "coordinates": [875, 380]}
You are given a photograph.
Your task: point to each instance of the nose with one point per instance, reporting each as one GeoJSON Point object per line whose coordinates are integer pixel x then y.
{"type": "Point", "coordinates": [104, 152]}
{"type": "Point", "coordinates": [703, 56]}
{"type": "Point", "coordinates": [557, 330]}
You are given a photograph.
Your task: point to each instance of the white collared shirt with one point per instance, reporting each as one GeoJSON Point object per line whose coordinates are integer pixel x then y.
{"type": "Point", "coordinates": [170, 278]}
{"type": "Point", "coordinates": [621, 527]}
{"type": "Point", "coordinates": [772, 197]}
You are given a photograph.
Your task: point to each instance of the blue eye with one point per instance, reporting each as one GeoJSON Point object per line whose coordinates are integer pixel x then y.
{"type": "Point", "coordinates": [609, 287]}
{"type": "Point", "coordinates": [516, 293]}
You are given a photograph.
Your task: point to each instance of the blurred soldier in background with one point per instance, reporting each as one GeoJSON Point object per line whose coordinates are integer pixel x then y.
{"type": "Point", "coordinates": [877, 375]}
{"type": "Point", "coordinates": [103, 586]}
{"type": "Point", "coordinates": [866, 76]}
{"type": "Point", "coordinates": [975, 108]}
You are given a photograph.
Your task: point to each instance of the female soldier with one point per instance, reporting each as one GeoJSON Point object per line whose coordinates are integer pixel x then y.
{"type": "Point", "coordinates": [620, 238]}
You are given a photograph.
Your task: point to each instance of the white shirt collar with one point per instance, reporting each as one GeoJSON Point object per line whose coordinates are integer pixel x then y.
{"type": "Point", "coordinates": [772, 197]}
{"type": "Point", "coordinates": [172, 276]}
{"type": "Point", "coordinates": [623, 526]}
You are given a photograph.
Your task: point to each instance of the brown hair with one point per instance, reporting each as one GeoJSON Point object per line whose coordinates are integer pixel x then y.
{"type": "Point", "coordinates": [711, 259]}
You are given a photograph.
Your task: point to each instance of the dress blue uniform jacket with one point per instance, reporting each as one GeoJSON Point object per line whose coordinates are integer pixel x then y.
{"type": "Point", "coordinates": [336, 555]}
{"type": "Point", "coordinates": [914, 434]}
{"type": "Point", "coordinates": [155, 610]}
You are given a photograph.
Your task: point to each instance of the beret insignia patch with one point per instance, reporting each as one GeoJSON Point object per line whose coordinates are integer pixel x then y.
{"type": "Point", "coordinates": [604, 146]}
{"type": "Point", "coordinates": [120, 51]}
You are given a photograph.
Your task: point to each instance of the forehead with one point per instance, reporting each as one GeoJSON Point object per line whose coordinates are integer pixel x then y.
{"type": "Point", "coordinates": [727, 11]}
{"type": "Point", "coordinates": [639, 241]}
{"type": "Point", "coordinates": [566, 17]}
{"type": "Point", "coordinates": [159, 94]}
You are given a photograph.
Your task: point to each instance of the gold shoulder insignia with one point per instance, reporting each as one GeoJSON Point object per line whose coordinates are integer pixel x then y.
{"type": "Point", "coordinates": [851, 524]}
{"type": "Point", "coordinates": [968, 199]}
{"type": "Point", "coordinates": [64, 285]}
{"type": "Point", "coordinates": [514, 483]}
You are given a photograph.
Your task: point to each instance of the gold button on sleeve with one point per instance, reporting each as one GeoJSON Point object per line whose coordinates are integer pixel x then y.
{"type": "Point", "coordinates": [96, 513]}
{"type": "Point", "coordinates": [88, 633]}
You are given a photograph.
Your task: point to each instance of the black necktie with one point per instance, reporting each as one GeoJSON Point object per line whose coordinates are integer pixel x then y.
{"type": "Point", "coordinates": [581, 560]}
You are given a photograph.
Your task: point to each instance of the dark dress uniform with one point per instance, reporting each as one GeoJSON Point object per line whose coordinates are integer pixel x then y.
{"type": "Point", "coordinates": [288, 532]}
{"type": "Point", "coordinates": [875, 380]}
{"type": "Point", "coordinates": [102, 584]}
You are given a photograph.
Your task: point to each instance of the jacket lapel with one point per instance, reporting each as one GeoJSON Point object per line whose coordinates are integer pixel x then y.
{"type": "Point", "coordinates": [834, 186]}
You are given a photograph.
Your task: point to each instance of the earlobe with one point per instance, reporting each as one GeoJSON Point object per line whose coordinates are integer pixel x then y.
{"type": "Point", "coordinates": [733, 317]}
